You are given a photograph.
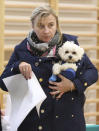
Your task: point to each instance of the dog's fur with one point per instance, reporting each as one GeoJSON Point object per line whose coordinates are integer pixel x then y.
{"type": "Point", "coordinates": [70, 53]}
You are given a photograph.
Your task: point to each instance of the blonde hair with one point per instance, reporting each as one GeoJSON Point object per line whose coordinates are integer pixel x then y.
{"type": "Point", "coordinates": [44, 11]}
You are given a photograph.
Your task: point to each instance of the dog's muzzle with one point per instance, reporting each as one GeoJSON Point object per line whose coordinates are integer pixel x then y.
{"type": "Point", "coordinates": [70, 57]}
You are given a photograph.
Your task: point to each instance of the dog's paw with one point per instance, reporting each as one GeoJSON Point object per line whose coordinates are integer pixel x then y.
{"type": "Point", "coordinates": [69, 65]}
{"type": "Point", "coordinates": [56, 69]}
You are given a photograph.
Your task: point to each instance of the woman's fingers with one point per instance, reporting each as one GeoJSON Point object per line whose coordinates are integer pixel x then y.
{"type": "Point", "coordinates": [55, 92]}
{"type": "Point", "coordinates": [60, 95]}
{"type": "Point", "coordinates": [25, 70]}
{"type": "Point", "coordinates": [61, 76]}
{"type": "Point", "coordinates": [28, 72]}
{"type": "Point", "coordinates": [2, 113]}
{"type": "Point", "coordinates": [53, 83]}
{"type": "Point", "coordinates": [63, 86]}
{"type": "Point", "coordinates": [53, 87]}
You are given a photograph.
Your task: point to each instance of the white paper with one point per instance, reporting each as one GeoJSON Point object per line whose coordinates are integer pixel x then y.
{"type": "Point", "coordinates": [7, 109]}
{"type": "Point", "coordinates": [5, 123]}
{"type": "Point", "coordinates": [25, 95]}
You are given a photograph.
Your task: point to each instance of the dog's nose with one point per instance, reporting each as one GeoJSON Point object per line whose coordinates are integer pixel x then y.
{"type": "Point", "coordinates": [70, 57]}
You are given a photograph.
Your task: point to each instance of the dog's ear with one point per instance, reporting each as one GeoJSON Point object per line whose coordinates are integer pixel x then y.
{"type": "Point", "coordinates": [81, 53]}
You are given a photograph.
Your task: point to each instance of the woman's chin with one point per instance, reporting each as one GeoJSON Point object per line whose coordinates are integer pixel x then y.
{"type": "Point", "coordinates": [46, 40]}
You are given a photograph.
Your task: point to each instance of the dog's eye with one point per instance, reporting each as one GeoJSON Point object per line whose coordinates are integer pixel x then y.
{"type": "Point", "coordinates": [66, 52]}
{"type": "Point", "coordinates": [73, 52]}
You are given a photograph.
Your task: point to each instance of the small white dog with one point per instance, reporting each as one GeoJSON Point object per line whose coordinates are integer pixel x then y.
{"type": "Point", "coordinates": [70, 54]}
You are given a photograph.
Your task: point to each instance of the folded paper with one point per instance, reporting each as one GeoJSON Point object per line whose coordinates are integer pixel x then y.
{"type": "Point", "coordinates": [25, 95]}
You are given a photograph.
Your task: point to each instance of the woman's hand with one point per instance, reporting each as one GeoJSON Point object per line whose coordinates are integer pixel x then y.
{"type": "Point", "coordinates": [59, 88]}
{"type": "Point", "coordinates": [25, 70]}
{"type": "Point", "coordinates": [1, 112]}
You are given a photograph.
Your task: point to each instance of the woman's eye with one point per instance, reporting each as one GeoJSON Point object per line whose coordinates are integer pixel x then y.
{"type": "Point", "coordinates": [41, 26]}
{"type": "Point", "coordinates": [50, 25]}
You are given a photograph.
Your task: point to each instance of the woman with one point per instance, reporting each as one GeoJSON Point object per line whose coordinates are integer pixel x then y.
{"type": "Point", "coordinates": [38, 53]}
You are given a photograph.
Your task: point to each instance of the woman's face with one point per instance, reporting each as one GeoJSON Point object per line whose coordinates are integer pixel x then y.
{"type": "Point", "coordinates": [46, 28]}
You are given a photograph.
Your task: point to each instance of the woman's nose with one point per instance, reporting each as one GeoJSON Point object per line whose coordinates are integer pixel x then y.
{"type": "Point", "coordinates": [46, 30]}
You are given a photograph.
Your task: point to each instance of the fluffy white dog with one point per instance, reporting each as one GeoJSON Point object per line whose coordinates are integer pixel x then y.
{"type": "Point", "coordinates": [70, 54]}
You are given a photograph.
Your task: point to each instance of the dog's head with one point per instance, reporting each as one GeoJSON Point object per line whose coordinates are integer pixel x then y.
{"type": "Point", "coordinates": [70, 52]}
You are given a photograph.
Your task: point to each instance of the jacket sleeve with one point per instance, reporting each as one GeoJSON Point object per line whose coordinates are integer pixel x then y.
{"type": "Point", "coordinates": [12, 66]}
{"type": "Point", "coordinates": [89, 76]}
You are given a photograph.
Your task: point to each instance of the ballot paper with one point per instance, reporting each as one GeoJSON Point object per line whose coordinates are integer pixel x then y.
{"type": "Point", "coordinates": [25, 95]}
